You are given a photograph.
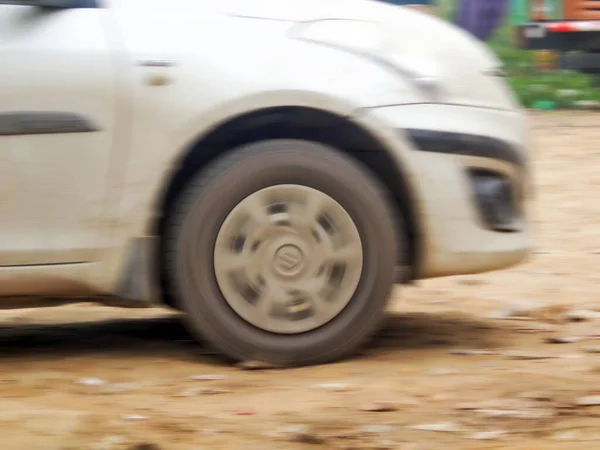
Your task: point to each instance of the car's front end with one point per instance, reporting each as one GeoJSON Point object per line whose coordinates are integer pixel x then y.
{"type": "Point", "coordinates": [470, 179]}
{"type": "Point", "coordinates": [460, 137]}
{"type": "Point", "coordinates": [307, 148]}
{"type": "Point", "coordinates": [432, 97]}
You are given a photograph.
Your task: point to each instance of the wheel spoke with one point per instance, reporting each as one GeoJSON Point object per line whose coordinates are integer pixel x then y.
{"type": "Point", "coordinates": [256, 207]}
{"type": "Point", "coordinates": [312, 290]}
{"type": "Point", "coordinates": [306, 214]}
{"type": "Point", "coordinates": [324, 309]}
{"type": "Point", "coordinates": [348, 254]}
{"type": "Point", "coordinates": [275, 293]}
{"type": "Point", "coordinates": [229, 261]}
{"type": "Point", "coordinates": [264, 308]}
{"type": "Point", "coordinates": [313, 206]}
{"type": "Point", "coordinates": [272, 298]}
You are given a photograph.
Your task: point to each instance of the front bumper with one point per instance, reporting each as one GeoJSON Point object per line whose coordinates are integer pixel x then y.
{"type": "Point", "coordinates": [438, 146]}
{"type": "Point", "coordinates": [498, 198]}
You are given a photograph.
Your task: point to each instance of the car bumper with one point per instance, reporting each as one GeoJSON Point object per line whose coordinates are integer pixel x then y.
{"type": "Point", "coordinates": [438, 148]}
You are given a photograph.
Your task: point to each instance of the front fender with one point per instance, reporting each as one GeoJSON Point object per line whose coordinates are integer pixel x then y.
{"type": "Point", "coordinates": [181, 91]}
{"type": "Point", "coordinates": [208, 87]}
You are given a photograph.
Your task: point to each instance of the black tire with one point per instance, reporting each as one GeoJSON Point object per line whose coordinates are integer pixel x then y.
{"type": "Point", "coordinates": [215, 191]}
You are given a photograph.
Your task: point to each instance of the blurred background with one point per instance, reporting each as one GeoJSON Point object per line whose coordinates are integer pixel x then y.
{"type": "Point", "coordinates": [535, 75]}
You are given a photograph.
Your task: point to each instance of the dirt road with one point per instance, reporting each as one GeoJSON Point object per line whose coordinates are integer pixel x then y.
{"type": "Point", "coordinates": [463, 363]}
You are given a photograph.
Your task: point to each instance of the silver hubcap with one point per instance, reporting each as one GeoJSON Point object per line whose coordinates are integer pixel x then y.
{"type": "Point", "coordinates": [288, 259]}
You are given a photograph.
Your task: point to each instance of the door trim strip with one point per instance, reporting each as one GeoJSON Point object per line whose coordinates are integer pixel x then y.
{"type": "Point", "coordinates": [22, 123]}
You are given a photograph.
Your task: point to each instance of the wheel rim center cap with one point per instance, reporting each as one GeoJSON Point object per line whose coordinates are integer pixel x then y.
{"type": "Point", "coordinates": [288, 260]}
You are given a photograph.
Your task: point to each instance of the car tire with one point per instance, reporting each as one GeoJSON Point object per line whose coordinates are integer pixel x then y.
{"type": "Point", "coordinates": [298, 325]}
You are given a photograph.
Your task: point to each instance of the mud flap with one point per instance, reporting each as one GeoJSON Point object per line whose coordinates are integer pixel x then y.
{"type": "Point", "coordinates": [137, 286]}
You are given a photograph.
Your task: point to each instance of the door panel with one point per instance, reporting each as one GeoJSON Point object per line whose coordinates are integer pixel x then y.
{"type": "Point", "coordinates": [57, 116]}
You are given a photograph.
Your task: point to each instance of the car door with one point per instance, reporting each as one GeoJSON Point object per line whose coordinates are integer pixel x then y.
{"type": "Point", "coordinates": [57, 129]}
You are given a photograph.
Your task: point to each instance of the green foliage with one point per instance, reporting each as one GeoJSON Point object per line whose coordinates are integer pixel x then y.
{"type": "Point", "coordinates": [566, 89]}
{"type": "Point", "coordinates": [563, 89]}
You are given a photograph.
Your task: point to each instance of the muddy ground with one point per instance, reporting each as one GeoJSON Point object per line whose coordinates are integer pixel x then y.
{"type": "Point", "coordinates": [88, 377]}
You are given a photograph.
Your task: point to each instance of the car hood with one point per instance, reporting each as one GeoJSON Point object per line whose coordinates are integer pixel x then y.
{"type": "Point", "coordinates": [308, 10]}
{"type": "Point", "coordinates": [419, 39]}
{"type": "Point", "coordinates": [418, 30]}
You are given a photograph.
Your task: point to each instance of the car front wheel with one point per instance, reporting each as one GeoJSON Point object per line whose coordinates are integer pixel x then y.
{"type": "Point", "coordinates": [283, 251]}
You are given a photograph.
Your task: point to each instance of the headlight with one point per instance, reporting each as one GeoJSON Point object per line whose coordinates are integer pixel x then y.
{"type": "Point", "coordinates": [374, 41]}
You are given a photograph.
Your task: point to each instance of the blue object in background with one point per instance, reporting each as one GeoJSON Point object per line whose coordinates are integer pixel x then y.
{"type": "Point", "coordinates": [481, 17]}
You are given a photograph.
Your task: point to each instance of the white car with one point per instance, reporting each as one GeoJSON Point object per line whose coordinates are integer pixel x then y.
{"type": "Point", "coordinates": [269, 167]}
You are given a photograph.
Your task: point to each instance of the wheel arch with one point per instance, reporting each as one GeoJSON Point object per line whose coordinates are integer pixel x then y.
{"type": "Point", "coordinates": [291, 122]}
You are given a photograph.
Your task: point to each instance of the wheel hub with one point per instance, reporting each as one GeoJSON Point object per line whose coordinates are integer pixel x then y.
{"type": "Point", "coordinates": [288, 259]}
